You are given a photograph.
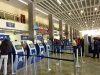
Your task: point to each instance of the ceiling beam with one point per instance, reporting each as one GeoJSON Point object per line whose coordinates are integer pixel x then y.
{"type": "Point", "coordinates": [38, 1]}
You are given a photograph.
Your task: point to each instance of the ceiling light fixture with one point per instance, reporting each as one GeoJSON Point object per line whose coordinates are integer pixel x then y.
{"type": "Point", "coordinates": [69, 13]}
{"type": "Point", "coordinates": [85, 22]}
{"type": "Point", "coordinates": [59, 1]}
{"type": "Point", "coordinates": [55, 19]}
{"type": "Point", "coordinates": [95, 8]}
{"type": "Point", "coordinates": [82, 11]}
{"type": "Point", "coordinates": [23, 2]}
{"type": "Point", "coordinates": [93, 21]}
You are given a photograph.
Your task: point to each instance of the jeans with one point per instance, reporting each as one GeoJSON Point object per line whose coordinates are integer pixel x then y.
{"type": "Point", "coordinates": [5, 57]}
{"type": "Point", "coordinates": [74, 50]}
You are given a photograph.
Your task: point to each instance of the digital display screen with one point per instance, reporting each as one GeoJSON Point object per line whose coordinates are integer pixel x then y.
{"type": "Point", "coordinates": [18, 47]}
{"type": "Point", "coordinates": [40, 44]}
{"type": "Point", "coordinates": [31, 45]}
{"type": "Point", "coordinates": [47, 43]}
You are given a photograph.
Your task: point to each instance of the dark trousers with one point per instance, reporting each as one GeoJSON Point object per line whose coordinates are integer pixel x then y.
{"type": "Point", "coordinates": [74, 50]}
{"type": "Point", "coordinates": [96, 52]}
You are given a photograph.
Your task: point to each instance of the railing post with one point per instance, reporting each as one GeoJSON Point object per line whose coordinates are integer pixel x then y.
{"type": "Point", "coordinates": [12, 64]}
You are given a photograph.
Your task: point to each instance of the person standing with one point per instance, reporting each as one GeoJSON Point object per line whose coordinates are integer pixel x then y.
{"type": "Point", "coordinates": [74, 44]}
{"type": "Point", "coordinates": [4, 49]}
{"type": "Point", "coordinates": [96, 51]}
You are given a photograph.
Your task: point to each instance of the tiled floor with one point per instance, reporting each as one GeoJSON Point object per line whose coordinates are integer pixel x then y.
{"type": "Point", "coordinates": [90, 67]}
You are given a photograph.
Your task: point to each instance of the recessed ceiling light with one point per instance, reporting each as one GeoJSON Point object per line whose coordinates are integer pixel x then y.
{"type": "Point", "coordinates": [78, 23]}
{"type": "Point", "coordinates": [82, 11]}
{"type": "Point", "coordinates": [93, 21]}
{"type": "Point", "coordinates": [85, 22]}
{"type": "Point", "coordinates": [95, 8]}
{"type": "Point", "coordinates": [59, 1]}
{"type": "Point", "coordinates": [69, 13]}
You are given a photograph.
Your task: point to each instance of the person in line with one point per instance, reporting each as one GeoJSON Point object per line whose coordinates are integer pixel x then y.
{"type": "Point", "coordinates": [96, 51]}
{"type": "Point", "coordinates": [4, 49]}
{"type": "Point", "coordinates": [74, 44]}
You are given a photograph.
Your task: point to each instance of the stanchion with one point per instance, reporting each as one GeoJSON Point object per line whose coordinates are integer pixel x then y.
{"type": "Point", "coordinates": [81, 55]}
{"type": "Point", "coordinates": [26, 64]}
{"type": "Point", "coordinates": [34, 66]}
{"type": "Point", "coordinates": [56, 57]}
{"type": "Point", "coordinates": [75, 68]}
{"type": "Point", "coordinates": [48, 62]}
{"type": "Point", "coordinates": [77, 62]}
{"type": "Point", "coordinates": [12, 64]}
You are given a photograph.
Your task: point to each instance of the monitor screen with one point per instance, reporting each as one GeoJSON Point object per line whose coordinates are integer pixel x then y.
{"type": "Point", "coordinates": [31, 45]}
{"type": "Point", "coordinates": [18, 47]}
{"type": "Point", "coordinates": [40, 44]}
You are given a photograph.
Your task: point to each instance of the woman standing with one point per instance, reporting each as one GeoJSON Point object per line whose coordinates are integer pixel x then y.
{"type": "Point", "coordinates": [4, 49]}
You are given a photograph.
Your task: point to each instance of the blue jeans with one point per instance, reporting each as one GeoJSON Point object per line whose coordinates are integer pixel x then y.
{"type": "Point", "coordinates": [74, 50]}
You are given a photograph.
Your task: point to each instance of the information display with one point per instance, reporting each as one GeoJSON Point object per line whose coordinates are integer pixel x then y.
{"type": "Point", "coordinates": [40, 44]}
{"type": "Point", "coordinates": [31, 45]}
{"type": "Point", "coordinates": [18, 47]}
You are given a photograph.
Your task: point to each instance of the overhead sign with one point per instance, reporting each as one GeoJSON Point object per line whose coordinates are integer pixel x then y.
{"type": "Point", "coordinates": [36, 27]}
{"type": "Point", "coordinates": [4, 36]}
{"type": "Point", "coordinates": [23, 37]}
{"type": "Point", "coordinates": [9, 24]}
{"type": "Point", "coordinates": [39, 37]}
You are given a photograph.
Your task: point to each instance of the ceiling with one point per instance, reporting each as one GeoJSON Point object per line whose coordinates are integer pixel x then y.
{"type": "Point", "coordinates": [80, 14]}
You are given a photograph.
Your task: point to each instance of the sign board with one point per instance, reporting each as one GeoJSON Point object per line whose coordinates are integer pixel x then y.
{"type": "Point", "coordinates": [23, 37]}
{"type": "Point", "coordinates": [9, 24]}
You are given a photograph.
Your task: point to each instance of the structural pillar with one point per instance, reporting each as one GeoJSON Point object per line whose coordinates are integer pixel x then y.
{"type": "Point", "coordinates": [86, 52]}
{"type": "Point", "coordinates": [60, 29]}
{"type": "Point", "coordinates": [32, 20]}
{"type": "Point", "coordinates": [75, 33]}
{"type": "Point", "coordinates": [67, 33]}
{"type": "Point", "coordinates": [51, 27]}
{"type": "Point", "coordinates": [71, 33]}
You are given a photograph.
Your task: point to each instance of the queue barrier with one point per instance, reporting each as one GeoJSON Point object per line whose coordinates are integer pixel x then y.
{"type": "Point", "coordinates": [75, 60]}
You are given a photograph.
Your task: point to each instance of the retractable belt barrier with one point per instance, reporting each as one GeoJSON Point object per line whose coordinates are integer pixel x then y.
{"type": "Point", "coordinates": [75, 60]}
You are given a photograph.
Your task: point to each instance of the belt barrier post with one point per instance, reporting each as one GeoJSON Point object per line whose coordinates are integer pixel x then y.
{"type": "Point", "coordinates": [77, 62]}
{"type": "Point", "coordinates": [48, 62]}
{"type": "Point", "coordinates": [26, 63]}
{"type": "Point", "coordinates": [12, 64]}
{"type": "Point", "coordinates": [34, 65]}
{"type": "Point", "coordinates": [81, 55]}
{"type": "Point", "coordinates": [75, 68]}
{"type": "Point", "coordinates": [56, 56]}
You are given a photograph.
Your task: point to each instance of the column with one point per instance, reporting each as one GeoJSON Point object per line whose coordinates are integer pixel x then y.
{"type": "Point", "coordinates": [86, 52]}
{"type": "Point", "coordinates": [67, 33]}
{"type": "Point", "coordinates": [75, 33]}
{"type": "Point", "coordinates": [60, 29]}
{"type": "Point", "coordinates": [31, 20]}
{"type": "Point", "coordinates": [71, 33]}
{"type": "Point", "coordinates": [51, 27]}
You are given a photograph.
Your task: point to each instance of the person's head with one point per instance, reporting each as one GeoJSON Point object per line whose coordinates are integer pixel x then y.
{"type": "Point", "coordinates": [5, 42]}
{"type": "Point", "coordinates": [74, 38]}
{"type": "Point", "coordinates": [15, 40]}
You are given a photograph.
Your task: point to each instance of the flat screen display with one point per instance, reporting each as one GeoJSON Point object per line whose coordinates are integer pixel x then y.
{"type": "Point", "coordinates": [31, 45]}
{"type": "Point", "coordinates": [18, 47]}
{"type": "Point", "coordinates": [40, 44]}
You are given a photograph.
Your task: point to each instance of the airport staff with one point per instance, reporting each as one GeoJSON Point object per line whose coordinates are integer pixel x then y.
{"type": "Point", "coordinates": [4, 49]}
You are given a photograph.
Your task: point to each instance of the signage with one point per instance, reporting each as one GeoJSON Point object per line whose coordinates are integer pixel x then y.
{"type": "Point", "coordinates": [4, 36]}
{"type": "Point", "coordinates": [9, 24]}
{"type": "Point", "coordinates": [36, 27]}
{"type": "Point", "coordinates": [17, 32]}
{"type": "Point", "coordinates": [23, 37]}
{"type": "Point", "coordinates": [39, 37]}
{"type": "Point", "coordinates": [20, 60]}
{"type": "Point", "coordinates": [43, 30]}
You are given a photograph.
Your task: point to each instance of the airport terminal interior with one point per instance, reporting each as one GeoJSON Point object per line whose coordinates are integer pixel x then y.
{"type": "Point", "coordinates": [50, 37]}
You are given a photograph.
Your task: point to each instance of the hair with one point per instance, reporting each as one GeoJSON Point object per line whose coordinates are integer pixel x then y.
{"type": "Point", "coordinates": [5, 43]}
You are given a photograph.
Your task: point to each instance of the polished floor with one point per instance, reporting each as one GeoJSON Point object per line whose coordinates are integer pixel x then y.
{"type": "Point", "coordinates": [90, 67]}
